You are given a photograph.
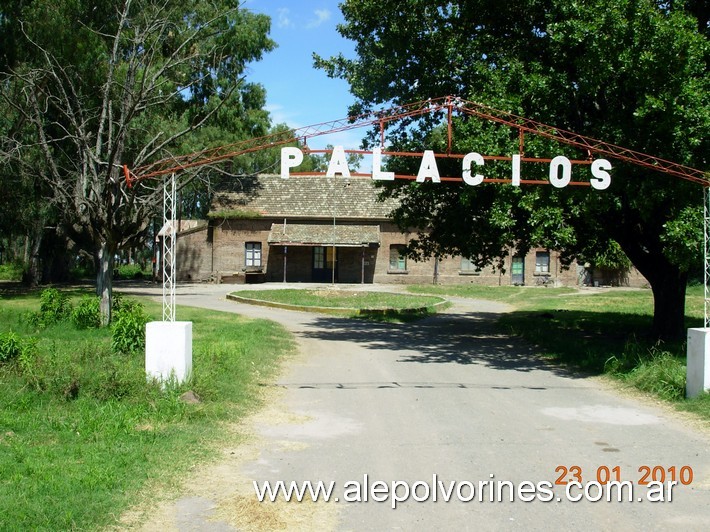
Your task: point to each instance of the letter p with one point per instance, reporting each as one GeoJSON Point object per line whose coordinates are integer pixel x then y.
{"type": "Point", "coordinates": [396, 497]}
{"type": "Point", "coordinates": [290, 158]}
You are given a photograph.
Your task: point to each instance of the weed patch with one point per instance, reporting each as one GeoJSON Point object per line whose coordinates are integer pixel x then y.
{"type": "Point", "coordinates": [81, 428]}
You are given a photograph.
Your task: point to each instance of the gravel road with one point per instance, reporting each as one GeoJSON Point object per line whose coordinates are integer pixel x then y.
{"type": "Point", "coordinates": [448, 402]}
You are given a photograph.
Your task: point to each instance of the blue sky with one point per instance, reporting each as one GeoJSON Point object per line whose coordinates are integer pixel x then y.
{"type": "Point", "coordinates": [297, 93]}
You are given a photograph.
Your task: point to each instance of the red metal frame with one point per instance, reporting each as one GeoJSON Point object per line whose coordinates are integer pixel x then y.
{"type": "Point", "coordinates": [449, 104]}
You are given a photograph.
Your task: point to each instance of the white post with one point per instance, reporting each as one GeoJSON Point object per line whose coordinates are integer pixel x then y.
{"type": "Point", "coordinates": [168, 350]}
{"type": "Point", "coordinates": [697, 376]}
{"type": "Point", "coordinates": [698, 368]}
{"type": "Point", "coordinates": [168, 343]}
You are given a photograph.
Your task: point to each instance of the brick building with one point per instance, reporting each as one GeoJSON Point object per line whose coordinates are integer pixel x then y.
{"type": "Point", "coordinates": [318, 229]}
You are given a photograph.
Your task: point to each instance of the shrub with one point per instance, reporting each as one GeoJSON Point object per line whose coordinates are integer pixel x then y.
{"type": "Point", "coordinates": [129, 271]}
{"type": "Point", "coordinates": [13, 346]}
{"type": "Point", "coordinates": [54, 307]}
{"type": "Point", "coordinates": [129, 327]}
{"type": "Point", "coordinates": [87, 314]}
{"type": "Point", "coordinates": [10, 346]}
{"type": "Point", "coordinates": [11, 271]}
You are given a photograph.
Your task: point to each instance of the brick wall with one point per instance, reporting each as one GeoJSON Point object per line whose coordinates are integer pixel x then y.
{"type": "Point", "coordinates": [220, 250]}
{"type": "Point", "coordinates": [193, 260]}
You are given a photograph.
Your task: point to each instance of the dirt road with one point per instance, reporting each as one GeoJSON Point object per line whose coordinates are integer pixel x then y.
{"type": "Point", "coordinates": [446, 405]}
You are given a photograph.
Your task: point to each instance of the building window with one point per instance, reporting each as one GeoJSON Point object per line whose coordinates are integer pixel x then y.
{"type": "Point", "coordinates": [542, 262]}
{"type": "Point", "coordinates": [467, 266]}
{"type": "Point", "coordinates": [323, 257]}
{"type": "Point", "coordinates": [319, 258]}
{"type": "Point", "coordinates": [398, 260]}
{"type": "Point", "coordinates": [252, 254]}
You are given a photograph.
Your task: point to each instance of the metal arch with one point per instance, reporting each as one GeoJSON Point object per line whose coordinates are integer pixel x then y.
{"type": "Point", "coordinates": [382, 118]}
{"type": "Point", "coordinates": [591, 146]}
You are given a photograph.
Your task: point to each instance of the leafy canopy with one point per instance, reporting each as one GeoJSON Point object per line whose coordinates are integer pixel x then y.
{"type": "Point", "coordinates": [630, 72]}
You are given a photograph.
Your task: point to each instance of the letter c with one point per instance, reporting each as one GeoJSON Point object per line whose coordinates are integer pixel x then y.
{"type": "Point", "coordinates": [472, 157]}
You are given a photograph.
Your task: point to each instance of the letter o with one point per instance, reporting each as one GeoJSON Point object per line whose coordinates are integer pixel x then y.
{"type": "Point", "coordinates": [588, 491]}
{"type": "Point", "coordinates": [555, 179]}
{"type": "Point", "coordinates": [471, 490]}
{"type": "Point", "coordinates": [420, 498]}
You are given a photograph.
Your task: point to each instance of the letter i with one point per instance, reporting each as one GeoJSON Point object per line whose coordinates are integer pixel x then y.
{"type": "Point", "coordinates": [516, 170]}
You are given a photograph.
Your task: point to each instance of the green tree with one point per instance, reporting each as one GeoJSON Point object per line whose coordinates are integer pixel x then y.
{"type": "Point", "coordinates": [630, 72]}
{"type": "Point", "coordinates": [96, 85]}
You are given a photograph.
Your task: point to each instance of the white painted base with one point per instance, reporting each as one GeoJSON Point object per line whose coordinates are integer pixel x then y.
{"type": "Point", "coordinates": [168, 350]}
{"type": "Point", "coordinates": [698, 371]}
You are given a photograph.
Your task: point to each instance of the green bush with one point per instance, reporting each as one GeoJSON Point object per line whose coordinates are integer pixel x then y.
{"type": "Point", "coordinates": [130, 271]}
{"type": "Point", "coordinates": [87, 314]}
{"type": "Point", "coordinates": [10, 346]}
{"type": "Point", "coordinates": [13, 346]}
{"type": "Point", "coordinates": [129, 322]}
{"type": "Point", "coordinates": [11, 271]}
{"type": "Point", "coordinates": [54, 308]}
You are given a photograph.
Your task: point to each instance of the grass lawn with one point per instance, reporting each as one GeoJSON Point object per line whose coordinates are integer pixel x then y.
{"type": "Point", "coordinates": [597, 332]}
{"type": "Point", "coordinates": [82, 432]}
{"type": "Point", "coordinates": [396, 305]}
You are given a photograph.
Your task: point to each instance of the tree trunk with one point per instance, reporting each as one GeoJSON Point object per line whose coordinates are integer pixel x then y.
{"type": "Point", "coordinates": [104, 281]}
{"type": "Point", "coordinates": [669, 305]}
{"type": "Point", "coordinates": [668, 284]}
{"type": "Point", "coordinates": [32, 273]}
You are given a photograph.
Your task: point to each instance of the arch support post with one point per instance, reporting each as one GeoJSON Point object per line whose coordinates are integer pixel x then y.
{"type": "Point", "coordinates": [698, 348]}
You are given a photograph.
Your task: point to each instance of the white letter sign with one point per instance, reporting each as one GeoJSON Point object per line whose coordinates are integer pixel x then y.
{"type": "Point", "coordinates": [338, 163]}
{"type": "Point", "coordinates": [600, 177]}
{"type": "Point", "coordinates": [428, 168]}
{"type": "Point", "coordinates": [515, 176]}
{"type": "Point", "coordinates": [555, 179]}
{"type": "Point", "coordinates": [466, 172]}
{"type": "Point", "coordinates": [290, 158]}
{"type": "Point", "coordinates": [377, 173]}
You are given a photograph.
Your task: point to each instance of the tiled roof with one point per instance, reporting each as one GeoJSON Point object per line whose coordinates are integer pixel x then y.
{"type": "Point", "coordinates": [304, 196]}
{"type": "Point", "coordinates": [313, 234]}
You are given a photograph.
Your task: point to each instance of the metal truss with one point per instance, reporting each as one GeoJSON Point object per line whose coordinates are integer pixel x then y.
{"type": "Point", "coordinates": [169, 231]}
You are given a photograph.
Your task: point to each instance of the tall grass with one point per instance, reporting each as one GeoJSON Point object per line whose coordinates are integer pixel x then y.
{"type": "Point", "coordinates": [82, 431]}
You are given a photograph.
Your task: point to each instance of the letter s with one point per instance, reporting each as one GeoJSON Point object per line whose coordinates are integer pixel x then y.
{"type": "Point", "coordinates": [600, 177]}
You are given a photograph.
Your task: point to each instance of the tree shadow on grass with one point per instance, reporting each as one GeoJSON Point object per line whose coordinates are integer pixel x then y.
{"type": "Point", "coordinates": [590, 341]}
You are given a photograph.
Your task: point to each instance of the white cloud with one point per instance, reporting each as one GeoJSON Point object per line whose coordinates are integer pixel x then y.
{"type": "Point", "coordinates": [283, 19]}
{"type": "Point", "coordinates": [321, 16]}
{"type": "Point", "coordinates": [280, 114]}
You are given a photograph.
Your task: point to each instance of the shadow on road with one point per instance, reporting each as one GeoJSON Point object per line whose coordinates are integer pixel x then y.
{"type": "Point", "coordinates": [456, 338]}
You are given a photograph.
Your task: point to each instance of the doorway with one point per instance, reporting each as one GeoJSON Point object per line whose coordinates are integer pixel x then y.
{"type": "Point", "coordinates": [324, 262]}
{"type": "Point", "coordinates": [517, 271]}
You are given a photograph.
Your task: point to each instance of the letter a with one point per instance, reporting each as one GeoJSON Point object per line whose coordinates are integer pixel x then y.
{"type": "Point", "coordinates": [428, 168]}
{"type": "Point", "coordinates": [338, 163]}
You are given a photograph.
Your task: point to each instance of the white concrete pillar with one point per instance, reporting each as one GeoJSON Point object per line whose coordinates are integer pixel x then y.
{"type": "Point", "coordinates": [168, 350]}
{"type": "Point", "coordinates": [698, 369]}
